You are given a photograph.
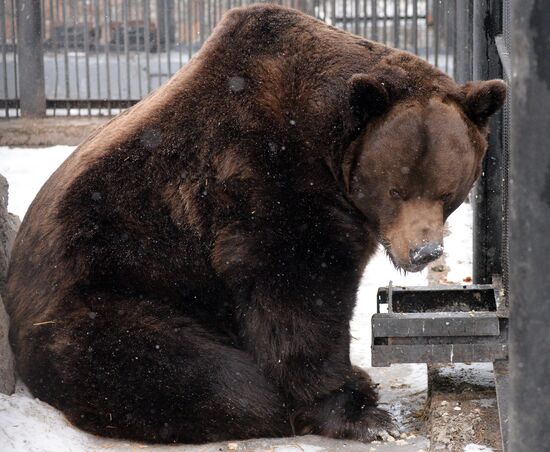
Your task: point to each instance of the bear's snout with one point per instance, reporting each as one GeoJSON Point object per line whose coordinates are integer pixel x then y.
{"type": "Point", "coordinates": [425, 253]}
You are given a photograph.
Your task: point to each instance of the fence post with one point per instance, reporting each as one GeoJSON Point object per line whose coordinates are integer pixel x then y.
{"type": "Point", "coordinates": [31, 59]}
{"type": "Point", "coordinates": [488, 202]}
{"type": "Point", "coordinates": [463, 40]}
{"type": "Point", "coordinates": [529, 219]}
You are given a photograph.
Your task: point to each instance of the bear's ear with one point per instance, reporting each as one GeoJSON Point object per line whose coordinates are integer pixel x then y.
{"type": "Point", "coordinates": [482, 99]}
{"type": "Point", "coordinates": [369, 97]}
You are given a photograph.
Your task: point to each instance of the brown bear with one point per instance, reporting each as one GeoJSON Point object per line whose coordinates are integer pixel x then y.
{"type": "Point", "coordinates": [190, 272]}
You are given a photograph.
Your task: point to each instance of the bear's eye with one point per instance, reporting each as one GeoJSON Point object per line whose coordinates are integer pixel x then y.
{"type": "Point", "coordinates": [395, 194]}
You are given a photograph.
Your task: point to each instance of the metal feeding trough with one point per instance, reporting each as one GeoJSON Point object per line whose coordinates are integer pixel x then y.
{"type": "Point", "coordinates": [439, 324]}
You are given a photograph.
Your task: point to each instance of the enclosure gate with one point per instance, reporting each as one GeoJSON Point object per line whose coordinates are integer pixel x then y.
{"type": "Point", "coordinates": [466, 323]}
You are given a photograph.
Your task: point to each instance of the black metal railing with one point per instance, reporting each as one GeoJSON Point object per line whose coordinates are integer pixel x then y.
{"type": "Point", "coordinates": [99, 56]}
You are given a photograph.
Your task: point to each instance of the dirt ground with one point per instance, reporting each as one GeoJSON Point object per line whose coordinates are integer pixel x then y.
{"type": "Point", "coordinates": [461, 410]}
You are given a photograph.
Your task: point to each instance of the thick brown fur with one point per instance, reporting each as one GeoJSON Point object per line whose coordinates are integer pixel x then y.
{"type": "Point", "coordinates": [189, 273]}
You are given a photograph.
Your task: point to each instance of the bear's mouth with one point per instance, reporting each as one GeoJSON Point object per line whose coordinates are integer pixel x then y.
{"type": "Point", "coordinates": [412, 268]}
{"type": "Point", "coordinates": [406, 267]}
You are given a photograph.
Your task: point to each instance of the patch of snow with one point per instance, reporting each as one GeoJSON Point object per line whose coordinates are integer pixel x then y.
{"type": "Point", "coordinates": [477, 448]}
{"type": "Point", "coordinates": [297, 448]}
{"type": "Point", "coordinates": [27, 424]}
{"type": "Point", "coordinates": [379, 272]}
{"type": "Point", "coordinates": [458, 245]}
{"type": "Point", "coordinates": [26, 170]}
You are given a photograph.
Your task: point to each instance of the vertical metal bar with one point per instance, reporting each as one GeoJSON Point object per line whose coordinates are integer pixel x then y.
{"type": "Point", "coordinates": [426, 14]}
{"type": "Point", "coordinates": [76, 47]}
{"type": "Point", "coordinates": [54, 45]}
{"type": "Point", "coordinates": [127, 51]}
{"type": "Point", "coordinates": [209, 15]}
{"type": "Point", "coordinates": [365, 25]}
{"type": "Point", "coordinates": [202, 24]}
{"type": "Point", "coordinates": [396, 23]}
{"type": "Point", "coordinates": [107, 37]}
{"type": "Point", "coordinates": [464, 30]}
{"type": "Point", "coordinates": [3, 19]}
{"type": "Point", "coordinates": [147, 38]}
{"type": "Point", "coordinates": [530, 217]}
{"type": "Point", "coordinates": [31, 58]}
{"type": "Point", "coordinates": [97, 32]}
{"type": "Point", "coordinates": [454, 34]}
{"type": "Point", "coordinates": [406, 23]}
{"type": "Point", "coordinates": [117, 46]}
{"type": "Point", "coordinates": [437, 18]}
{"type": "Point", "coordinates": [488, 195]}
{"type": "Point", "coordinates": [66, 57]}
{"type": "Point", "coordinates": [374, 18]}
{"type": "Point", "coordinates": [215, 13]}
{"type": "Point", "coordinates": [15, 32]}
{"type": "Point", "coordinates": [167, 37]}
{"type": "Point", "coordinates": [138, 22]}
{"type": "Point", "coordinates": [43, 24]}
{"type": "Point", "coordinates": [345, 13]}
{"type": "Point", "coordinates": [453, 31]}
{"type": "Point", "coordinates": [87, 57]}
{"type": "Point", "coordinates": [356, 17]}
{"type": "Point", "coordinates": [189, 29]}
{"type": "Point", "coordinates": [160, 16]}
{"type": "Point", "coordinates": [385, 26]}
{"type": "Point", "coordinates": [180, 41]}
{"type": "Point", "coordinates": [446, 34]}
{"type": "Point", "coordinates": [333, 8]}
{"type": "Point", "coordinates": [415, 27]}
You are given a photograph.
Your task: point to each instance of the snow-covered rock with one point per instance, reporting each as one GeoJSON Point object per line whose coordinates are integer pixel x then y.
{"type": "Point", "coordinates": [8, 229]}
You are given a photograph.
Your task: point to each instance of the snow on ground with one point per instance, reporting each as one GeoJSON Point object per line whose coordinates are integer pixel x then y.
{"type": "Point", "coordinates": [30, 425]}
{"type": "Point", "coordinates": [26, 170]}
{"type": "Point", "coordinates": [458, 245]}
{"type": "Point", "coordinates": [477, 448]}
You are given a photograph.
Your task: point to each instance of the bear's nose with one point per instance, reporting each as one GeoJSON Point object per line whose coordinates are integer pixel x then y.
{"type": "Point", "coordinates": [425, 253]}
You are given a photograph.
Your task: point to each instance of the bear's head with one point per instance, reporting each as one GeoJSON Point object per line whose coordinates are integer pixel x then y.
{"type": "Point", "coordinates": [415, 160]}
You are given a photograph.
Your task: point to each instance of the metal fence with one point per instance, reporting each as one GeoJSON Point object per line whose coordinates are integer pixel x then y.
{"type": "Point", "coordinates": [90, 57]}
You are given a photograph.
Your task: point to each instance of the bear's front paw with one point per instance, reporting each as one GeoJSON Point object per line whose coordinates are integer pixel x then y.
{"type": "Point", "coordinates": [349, 412]}
{"type": "Point", "coordinates": [373, 424]}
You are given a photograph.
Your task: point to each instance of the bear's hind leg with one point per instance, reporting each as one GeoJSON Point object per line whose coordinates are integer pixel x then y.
{"type": "Point", "coordinates": [138, 371]}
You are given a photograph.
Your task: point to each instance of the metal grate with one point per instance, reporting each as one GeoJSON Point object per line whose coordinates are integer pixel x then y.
{"type": "Point", "coordinates": [8, 61]}
{"type": "Point", "coordinates": [103, 55]}
{"type": "Point", "coordinates": [504, 53]}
